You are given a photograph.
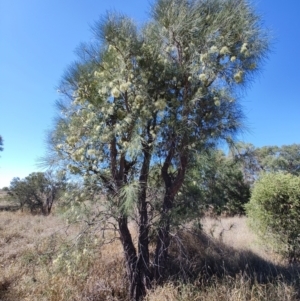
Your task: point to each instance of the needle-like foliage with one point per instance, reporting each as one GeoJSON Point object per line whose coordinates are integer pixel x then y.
{"type": "Point", "coordinates": [155, 96]}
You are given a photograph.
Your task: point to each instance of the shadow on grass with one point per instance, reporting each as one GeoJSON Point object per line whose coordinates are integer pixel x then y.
{"type": "Point", "coordinates": [197, 257]}
{"type": "Point", "coordinates": [11, 208]}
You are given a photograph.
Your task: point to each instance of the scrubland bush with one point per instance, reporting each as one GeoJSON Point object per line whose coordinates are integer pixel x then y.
{"type": "Point", "coordinates": [274, 211]}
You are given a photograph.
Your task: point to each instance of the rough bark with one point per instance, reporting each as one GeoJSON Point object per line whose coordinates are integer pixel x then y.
{"type": "Point", "coordinates": [143, 263]}
{"type": "Point", "coordinates": [130, 258]}
{"type": "Point", "coordinates": [163, 240]}
{"type": "Point", "coordinates": [172, 186]}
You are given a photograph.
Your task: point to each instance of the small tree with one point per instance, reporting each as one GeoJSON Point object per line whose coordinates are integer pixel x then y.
{"type": "Point", "coordinates": [274, 211]}
{"type": "Point", "coordinates": [154, 96]}
{"type": "Point", "coordinates": [37, 191]}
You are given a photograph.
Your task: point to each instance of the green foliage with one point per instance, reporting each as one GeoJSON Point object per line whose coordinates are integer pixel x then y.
{"type": "Point", "coordinates": [284, 159]}
{"type": "Point", "coordinates": [245, 154]}
{"type": "Point", "coordinates": [274, 211]}
{"type": "Point", "coordinates": [155, 96]}
{"type": "Point", "coordinates": [128, 196]}
{"type": "Point", "coordinates": [178, 75]}
{"type": "Point", "coordinates": [76, 260]}
{"type": "Point", "coordinates": [37, 191]}
{"type": "Point", "coordinates": [218, 181]}
{"type": "Point", "coordinates": [268, 159]}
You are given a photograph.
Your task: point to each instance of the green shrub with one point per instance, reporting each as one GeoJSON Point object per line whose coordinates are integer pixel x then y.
{"type": "Point", "coordinates": [274, 212]}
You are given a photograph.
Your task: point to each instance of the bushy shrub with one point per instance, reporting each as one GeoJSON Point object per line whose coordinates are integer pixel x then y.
{"type": "Point", "coordinates": [274, 212]}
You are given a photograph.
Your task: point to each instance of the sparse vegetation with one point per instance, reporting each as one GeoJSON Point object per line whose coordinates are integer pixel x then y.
{"type": "Point", "coordinates": [45, 259]}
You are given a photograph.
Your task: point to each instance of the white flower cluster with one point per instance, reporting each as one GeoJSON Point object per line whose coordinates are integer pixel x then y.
{"type": "Point", "coordinates": [244, 48]}
{"type": "Point", "coordinates": [91, 152]}
{"type": "Point", "coordinates": [139, 99]}
{"type": "Point", "coordinates": [214, 49]}
{"type": "Point", "coordinates": [202, 77]}
{"type": "Point", "coordinates": [125, 86]}
{"type": "Point", "coordinates": [115, 92]}
{"type": "Point", "coordinates": [99, 74]}
{"type": "Point", "coordinates": [203, 57]}
{"type": "Point", "coordinates": [160, 104]}
{"type": "Point", "coordinates": [238, 77]}
{"type": "Point", "coordinates": [224, 50]}
{"type": "Point", "coordinates": [217, 101]}
{"type": "Point", "coordinates": [78, 155]}
{"type": "Point", "coordinates": [72, 140]}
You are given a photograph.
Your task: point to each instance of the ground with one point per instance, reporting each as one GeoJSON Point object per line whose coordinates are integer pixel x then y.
{"type": "Point", "coordinates": [44, 258]}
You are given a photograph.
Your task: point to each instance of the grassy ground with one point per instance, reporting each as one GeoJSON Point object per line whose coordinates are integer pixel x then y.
{"type": "Point", "coordinates": [234, 232]}
{"type": "Point", "coordinates": [43, 258]}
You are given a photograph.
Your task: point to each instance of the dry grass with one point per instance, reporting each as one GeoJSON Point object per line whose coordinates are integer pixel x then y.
{"type": "Point", "coordinates": [226, 262]}
{"type": "Point", "coordinates": [240, 288]}
{"type": "Point", "coordinates": [234, 232]}
{"type": "Point", "coordinates": [43, 259]}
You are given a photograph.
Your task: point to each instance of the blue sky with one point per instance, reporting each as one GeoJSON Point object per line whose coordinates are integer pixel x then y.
{"type": "Point", "coordinates": [37, 43]}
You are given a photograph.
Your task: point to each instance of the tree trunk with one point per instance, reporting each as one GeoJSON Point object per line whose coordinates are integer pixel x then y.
{"type": "Point", "coordinates": [163, 240]}
{"type": "Point", "coordinates": [143, 265]}
{"type": "Point", "coordinates": [49, 201]}
{"type": "Point", "coordinates": [172, 187]}
{"type": "Point", "coordinates": [137, 288]}
{"type": "Point", "coordinates": [138, 264]}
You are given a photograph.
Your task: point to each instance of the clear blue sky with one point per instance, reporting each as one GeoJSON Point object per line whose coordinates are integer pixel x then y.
{"type": "Point", "coordinates": [37, 42]}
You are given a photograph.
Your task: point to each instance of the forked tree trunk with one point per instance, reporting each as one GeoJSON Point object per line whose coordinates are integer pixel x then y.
{"type": "Point", "coordinates": [138, 263]}
{"type": "Point", "coordinates": [137, 288]}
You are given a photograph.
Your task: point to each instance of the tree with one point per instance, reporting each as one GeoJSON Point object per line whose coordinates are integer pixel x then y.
{"type": "Point", "coordinates": [221, 182]}
{"type": "Point", "coordinates": [285, 158]}
{"type": "Point", "coordinates": [274, 211]}
{"type": "Point", "coordinates": [245, 154]}
{"type": "Point", "coordinates": [254, 160]}
{"type": "Point", "coordinates": [154, 97]}
{"type": "Point", "coordinates": [37, 191]}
